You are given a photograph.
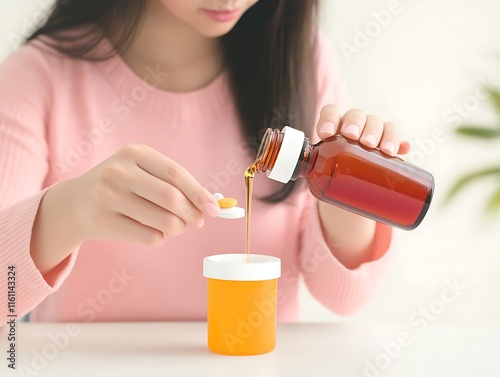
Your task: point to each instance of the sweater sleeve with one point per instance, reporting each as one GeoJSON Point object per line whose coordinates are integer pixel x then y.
{"type": "Point", "coordinates": [340, 289]}
{"type": "Point", "coordinates": [25, 97]}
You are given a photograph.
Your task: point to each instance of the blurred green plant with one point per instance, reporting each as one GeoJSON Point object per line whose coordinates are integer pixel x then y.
{"type": "Point", "coordinates": [487, 133]}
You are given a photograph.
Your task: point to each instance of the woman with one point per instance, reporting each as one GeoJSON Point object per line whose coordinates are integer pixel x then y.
{"type": "Point", "coordinates": [120, 119]}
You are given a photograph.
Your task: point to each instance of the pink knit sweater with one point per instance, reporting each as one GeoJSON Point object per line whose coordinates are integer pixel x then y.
{"type": "Point", "coordinates": [59, 117]}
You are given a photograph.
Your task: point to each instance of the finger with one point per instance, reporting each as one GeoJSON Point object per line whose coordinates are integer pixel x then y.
{"type": "Point", "coordinates": [329, 120]}
{"type": "Point", "coordinates": [353, 123]}
{"type": "Point", "coordinates": [151, 215]}
{"type": "Point", "coordinates": [169, 171]}
{"type": "Point", "coordinates": [166, 196]}
{"type": "Point", "coordinates": [404, 147]}
{"type": "Point", "coordinates": [390, 141]}
{"type": "Point", "coordinates": [372, 132]}
{"type": "Point", "coordinates": [129, 230]}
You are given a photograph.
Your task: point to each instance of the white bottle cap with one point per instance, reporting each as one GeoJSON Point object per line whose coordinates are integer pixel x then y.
{"type": "Point", "coordinates": [235, 267]}
{"type": "Point", "coordinates": [229, 213]}
{"type": "Point", "coordinates": [289, 154]}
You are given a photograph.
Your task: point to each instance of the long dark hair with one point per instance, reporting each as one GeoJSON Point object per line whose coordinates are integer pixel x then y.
{"type": "Point", "coordinates": [269, 55]}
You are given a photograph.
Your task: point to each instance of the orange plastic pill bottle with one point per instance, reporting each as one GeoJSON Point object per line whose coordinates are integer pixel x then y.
{"type": "Point", "coordinates": [241, 316]}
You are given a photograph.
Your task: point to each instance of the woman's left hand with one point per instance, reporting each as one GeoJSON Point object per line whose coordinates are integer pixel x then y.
{"type": "Point", "coordinates": [369, 130]}
{"type": "Point", "coordinates": [350, 235]}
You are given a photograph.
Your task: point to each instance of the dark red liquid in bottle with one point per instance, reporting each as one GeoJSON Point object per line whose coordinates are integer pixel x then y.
{"type": "Point", "coordinates": [361, 180]}
{"type": "Point", "coordinates": [386, 189]}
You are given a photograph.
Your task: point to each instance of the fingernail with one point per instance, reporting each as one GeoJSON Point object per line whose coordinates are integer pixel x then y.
{"type": "Point", "coordinates": [370, 140]}
{"type": "Point", "coordinates": [388, 147]}
{"type": "Point", "coordinates": [200, 224]}
{"type": "Point", "coordinates": [212, 209]}
{"type": "Point", "coordinates": [352, 130]}
{"type": "Point", "coordinates": [328, 128]}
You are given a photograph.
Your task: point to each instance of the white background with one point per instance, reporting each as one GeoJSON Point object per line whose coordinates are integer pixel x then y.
{"type": "Point", "coordinates": [430, 56]}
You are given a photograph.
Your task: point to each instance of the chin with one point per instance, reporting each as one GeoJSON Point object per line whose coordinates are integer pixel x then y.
{"type": "Point", "coordinates": [216, 34]}
{"type": "Point", "coordinates": [215, 31]}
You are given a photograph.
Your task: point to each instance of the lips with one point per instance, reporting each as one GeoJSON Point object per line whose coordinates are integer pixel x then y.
{"type": "Point", "coordinates": [222, 15]}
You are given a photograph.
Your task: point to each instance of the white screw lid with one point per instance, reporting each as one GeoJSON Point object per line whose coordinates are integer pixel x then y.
{"type": "Point", "coordinates": [232, 213]}
{"type": "Point", "coordinates": [235, 267]}
{"type": "Point", "coordinates": [289, 154]}
{"type": "Point", "coordinates": [229, 213]}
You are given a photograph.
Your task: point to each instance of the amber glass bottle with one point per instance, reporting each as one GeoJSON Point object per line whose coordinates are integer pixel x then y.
{"type": "Point", "coordinates": [346, 174]}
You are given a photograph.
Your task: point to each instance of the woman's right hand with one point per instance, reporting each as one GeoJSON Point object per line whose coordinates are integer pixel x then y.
{"type": "Point", "coordinates": [141, 196]}
{"type": "Point", "coordinates": [136, 195]}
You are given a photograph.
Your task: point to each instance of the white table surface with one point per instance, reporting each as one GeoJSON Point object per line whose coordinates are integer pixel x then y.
{"type": "Point", "coordinates": [179, 349]}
